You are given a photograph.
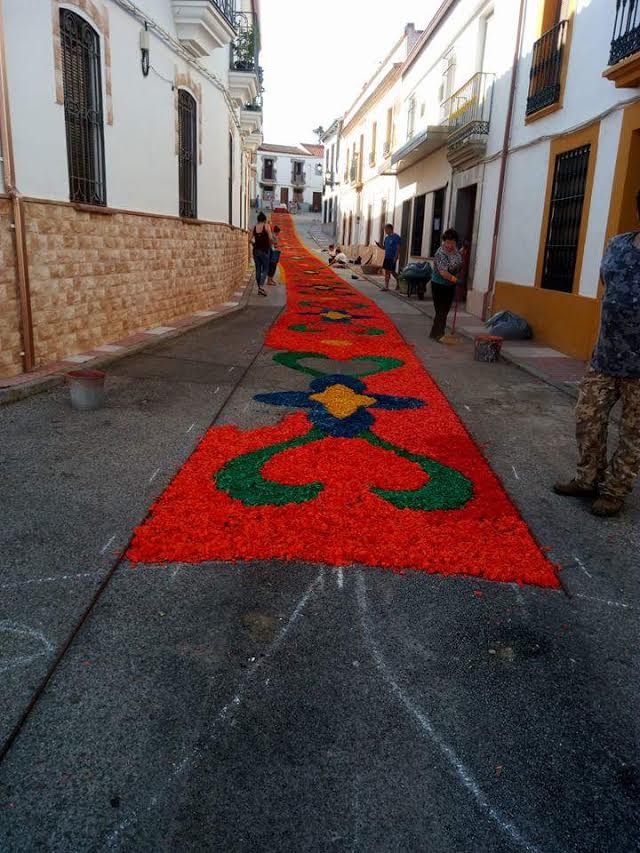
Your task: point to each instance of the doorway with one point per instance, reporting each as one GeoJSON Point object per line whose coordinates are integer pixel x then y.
{"type": "Point", "coordinates": [404, 233]}
{"type": "Point", "coordinates": [465, 217]}
{"type": "Point", "coordinates": [317, 202]}
{"type": "Point", "coordinates": [284, 195]}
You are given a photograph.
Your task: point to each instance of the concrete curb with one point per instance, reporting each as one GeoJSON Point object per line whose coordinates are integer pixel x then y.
{"type": "Point", "coordinates": [40, 384]}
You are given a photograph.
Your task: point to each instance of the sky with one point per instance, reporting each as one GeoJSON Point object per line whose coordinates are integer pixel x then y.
{"type": "Point", "coordinates": [316, 56]}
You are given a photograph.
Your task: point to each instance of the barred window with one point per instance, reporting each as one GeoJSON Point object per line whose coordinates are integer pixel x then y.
{"type": "Point", "coordinates": [565, 218]}
{"type": "Point", "coordinates": [187, 155]}
{"type": "Point", "coordinates": [83, 116]}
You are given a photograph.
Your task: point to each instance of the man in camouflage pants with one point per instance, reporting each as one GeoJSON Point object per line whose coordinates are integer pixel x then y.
{"type": "Point", "coordinates": [614, 374]}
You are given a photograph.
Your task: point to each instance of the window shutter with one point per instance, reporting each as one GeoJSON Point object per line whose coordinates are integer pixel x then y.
{"type": "Point", "coordinates": [82, 84]}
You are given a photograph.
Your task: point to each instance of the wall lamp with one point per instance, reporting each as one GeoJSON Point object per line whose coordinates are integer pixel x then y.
{"type": "Point", "coordinates": [145, 42]}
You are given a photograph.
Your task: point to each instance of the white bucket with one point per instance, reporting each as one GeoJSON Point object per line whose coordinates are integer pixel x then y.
{"type": "Point", "coordinates": [87, 389]}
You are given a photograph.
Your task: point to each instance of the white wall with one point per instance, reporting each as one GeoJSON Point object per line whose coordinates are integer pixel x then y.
{"type": "Point", "coordinates": [586, 95]}
{"type": "Point", "coordinates": [600, 197]}
{"type": "Point", "coordinates": [140, 159]}
{"type": "Point", "coordinates": [522, 212]}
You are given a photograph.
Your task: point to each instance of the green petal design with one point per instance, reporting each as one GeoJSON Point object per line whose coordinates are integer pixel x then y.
{"type": "Point", "coordinates": [445, 489]}
{"type": "Point", "coordinates": [293, 359]}
{"type": "Point", "coordinates": [241, 478]}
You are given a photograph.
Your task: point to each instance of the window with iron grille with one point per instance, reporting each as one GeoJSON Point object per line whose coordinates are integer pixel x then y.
{"type": "Point", "coordinates": [565, 217]}
{"type": "Point", "coordinates": [187, 155]}
{"type": "Point", "coordinates": [83, 117]}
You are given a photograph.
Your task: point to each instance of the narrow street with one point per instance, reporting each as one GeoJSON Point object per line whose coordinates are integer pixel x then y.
{"type": "Point", "coordinates": [300, 704]}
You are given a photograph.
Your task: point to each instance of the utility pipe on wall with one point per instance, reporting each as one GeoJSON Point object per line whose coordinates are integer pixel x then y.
{"type": "Point", "coordinates": [20, 243]}
{"type": "Point", "coordinates": [488, 300]}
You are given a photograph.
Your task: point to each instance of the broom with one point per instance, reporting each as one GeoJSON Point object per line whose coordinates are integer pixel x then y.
{"type": "Point", "coordinates": [452, 339]}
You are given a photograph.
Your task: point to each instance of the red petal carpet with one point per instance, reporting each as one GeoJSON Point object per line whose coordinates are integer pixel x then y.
{"type": "Point", "coordinates": [375, 469]}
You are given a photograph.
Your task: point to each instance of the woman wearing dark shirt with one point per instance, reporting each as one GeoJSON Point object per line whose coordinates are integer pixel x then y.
{"type": "Point", "coordinates": [262, 239]}
{"type": "Point", "coordinates": [447, 264]}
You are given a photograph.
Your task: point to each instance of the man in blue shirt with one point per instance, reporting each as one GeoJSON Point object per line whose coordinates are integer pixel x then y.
{"type": "Point", "coordinates": [391, 251]}
{"type": "Point", "coordinates": [614, 374]}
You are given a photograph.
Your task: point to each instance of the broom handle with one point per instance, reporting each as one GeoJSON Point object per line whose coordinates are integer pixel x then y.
{"type": "Point", "coordinates": [455, 313]}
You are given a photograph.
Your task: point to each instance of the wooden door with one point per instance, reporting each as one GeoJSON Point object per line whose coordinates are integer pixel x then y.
{"type": "Point", "coordinates": [284, 195]}
{"type": "Point", "coordinates": [317, 202]}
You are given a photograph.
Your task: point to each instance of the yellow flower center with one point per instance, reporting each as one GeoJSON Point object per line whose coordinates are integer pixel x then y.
{"type": "Point", "coordinates": [336, 315]}
{"type": "Point", "coordinates": [342, 402]}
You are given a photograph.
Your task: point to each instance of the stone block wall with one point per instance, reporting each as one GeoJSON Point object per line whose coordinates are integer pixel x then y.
{"type": "Point", "coordinates": [97, 277]}
{"type": "Point", "coordinates": [10, 339]}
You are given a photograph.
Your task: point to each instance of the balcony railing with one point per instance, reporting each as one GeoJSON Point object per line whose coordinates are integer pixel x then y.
{"type": "Point", "coordinates": [268, 176]}
{"type": "Point", "coordinates": [245, 48]}
{"type": "Point", "coordinates": [546, 69]}
{"type": "Point", "coordinates": [228, 9]}
{"type": "Point", "coordinates": [298, 179]}
{"type": "Point", "coordinates": [626, 31]}
{"type": "Point", "coordinates": [468, 111]}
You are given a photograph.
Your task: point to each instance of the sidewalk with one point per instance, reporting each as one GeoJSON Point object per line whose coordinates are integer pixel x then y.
{"type": "Point", "coordinates": [50, 375]}
{"type": "Point", "coordinates": [545, 363]}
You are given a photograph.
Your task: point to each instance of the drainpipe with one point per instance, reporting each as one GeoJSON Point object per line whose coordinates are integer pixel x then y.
{"type": "Point", "coordinates": [488, 299]}
{"type": "Point", "coordinates": [19, 230]}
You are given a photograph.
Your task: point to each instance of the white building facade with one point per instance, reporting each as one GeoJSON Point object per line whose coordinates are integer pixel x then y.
{"type": "Point", "coordinates": [573, 166]}
{"type": "Point", "coordinates": [499, 111]}
{"type": "Point", "coordinates": [291, 175]}
{"type": "Point", "coordinates": [120, 110]}
{"type": "Point", "coordinates": [331, 140]}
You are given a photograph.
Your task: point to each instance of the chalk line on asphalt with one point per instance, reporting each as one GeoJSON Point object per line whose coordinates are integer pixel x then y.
{"type": "Point", "coordinates": [462, 772]}
{"type": "Point", "coordinates": [195, 752]}
{"type": "Point", "coordinates": [24, 632]}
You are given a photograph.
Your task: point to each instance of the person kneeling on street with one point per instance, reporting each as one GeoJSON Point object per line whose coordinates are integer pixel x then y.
{"type": "Point", "coordinates": [614, 374]}
{"type": "Point", "coordinates": [339, 259]}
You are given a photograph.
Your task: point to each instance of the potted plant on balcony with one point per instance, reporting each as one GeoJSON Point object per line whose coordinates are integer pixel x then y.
{"type": "Point", "coordinates": [244, 51]}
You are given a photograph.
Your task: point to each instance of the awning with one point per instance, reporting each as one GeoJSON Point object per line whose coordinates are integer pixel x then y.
{"type": "Point", "coordinates": [418, 148]}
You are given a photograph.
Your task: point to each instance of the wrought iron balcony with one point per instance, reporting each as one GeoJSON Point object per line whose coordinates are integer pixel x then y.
{"type": "Point", "coordinates": [468, 111]}
{"type": "Point", "coordinates": [227, 7]}
{"type": "Point", "coordinates": [467, 118]}
{"type": "Point", "coordinates": [298, 179]}
{"type": "Point", "coordinates": [546, 68]}
{"type": "Point", "coordinates": [626, 31]}
{"type": "Point", "coordinates": [245, 48]}
{"type": "Point", "coordinates": [268, 176]}
{"type": "Point", "coordinates": [624, 58]}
